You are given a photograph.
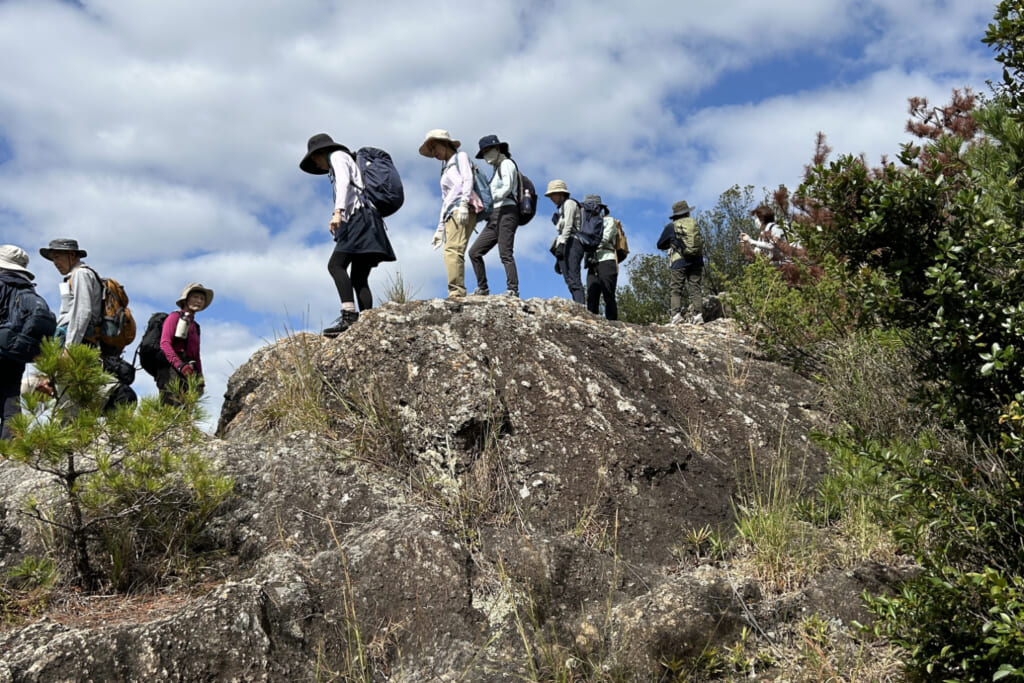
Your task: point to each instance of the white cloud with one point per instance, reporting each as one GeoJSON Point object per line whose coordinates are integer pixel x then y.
{"type": "Point", "coordinates": [166, 136]}
{"type": "Point", "coordinates": [769, 143]}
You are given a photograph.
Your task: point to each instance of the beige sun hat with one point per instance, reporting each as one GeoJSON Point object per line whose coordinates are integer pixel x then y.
{"type": "Point", "coordinates": [15, 259]}
{"type": "Point", "coordinates": [195, 287]}
{"type": "Point", "coordinates": [437, 134]}
{"type": "Point", "coordinates": [556, 186]}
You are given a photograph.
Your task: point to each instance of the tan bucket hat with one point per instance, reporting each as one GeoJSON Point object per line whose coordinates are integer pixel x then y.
{"type": "Point", "coordinates": [15, 259]}
{"type": "Point", "coordinates": [195, 287]}
{"type": "Point", "coordinates": [556, 186]}
{"type": "Point", "coordinates": [437, 134]}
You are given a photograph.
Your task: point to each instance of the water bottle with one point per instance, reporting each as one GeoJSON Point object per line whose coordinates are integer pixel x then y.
{"type": "Point", "coordinates": [181, 329]}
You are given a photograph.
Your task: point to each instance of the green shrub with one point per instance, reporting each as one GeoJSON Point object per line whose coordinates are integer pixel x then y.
{"type": "Point", "coordinates": [798, 324]}
{"type": "Point", "coordinates": [133, 494]}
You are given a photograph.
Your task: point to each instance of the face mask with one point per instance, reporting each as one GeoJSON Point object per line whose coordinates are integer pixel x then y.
{"type": "Point", "coordinates": [757, 223]}
{"type": "Point", "coordinates": [491, 156]}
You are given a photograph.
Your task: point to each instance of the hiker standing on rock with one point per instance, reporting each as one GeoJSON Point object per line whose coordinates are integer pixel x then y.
{"type": "Point", "coordinates": [458, 209]}
{"type": "Point", "coordinates": [81, 294]}
{"type": "Point", "coordinates": [603, 267]}
{"type": "Point", "coordinates": [361, 241]}
{"type": "Point", "coordinates": [504, 219]}
{"type": "Point", "coordinates": [81, 314]}
{"type": "Point", "coordinates": [179, 342]}
{"type": "Point", "coordinates": [566, 248]}
{"type": "Point", "coordinates": [685, 245]}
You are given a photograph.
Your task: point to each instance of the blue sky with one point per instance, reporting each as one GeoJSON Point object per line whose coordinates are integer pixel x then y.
{"type": "Point", "coordinates": [166, 137]}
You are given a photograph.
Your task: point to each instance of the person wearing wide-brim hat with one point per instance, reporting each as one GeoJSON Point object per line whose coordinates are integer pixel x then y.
{"type": "Point", "coordinates": [504, 219]}
{"type": "Point", "coordinates": [360, 240]}
{"type": "Point", "coordinates": [686, 265]}
{"type": "Point", "coordinates": [459, 205]}
{"type": "Point", "coordinates": [15, 277]}
{"type": "Point", "coordinates": [566, 248]}
{"type": "Point", "coordinates": [81, 293]}
{"type": "Point", "coordinates": [179, 342]}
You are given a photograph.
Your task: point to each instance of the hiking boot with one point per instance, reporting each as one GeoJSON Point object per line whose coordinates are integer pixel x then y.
{"type": "Point", "coordinates": [345, 321]}
{"type": "Point", "coordinates": [697, 319]}
{"type": "Point", "coordinates": [514, 293]}
{"type": "Point", "coordinates": [481, 291]}
{"type": "Point", "coordinates": [676, 319]}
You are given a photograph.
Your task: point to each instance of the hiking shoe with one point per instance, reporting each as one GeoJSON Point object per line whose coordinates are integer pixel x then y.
{"type": "Point", "coordinates": [344, 321]}
{"type": "Point", "coordinates": [514, 293]}
{"type": "Point", "coordinates": [697, 319]}
{"type": "Point", "coordinates": [481, 291]}
{"type": "Point", "coordinates": [676, 319]}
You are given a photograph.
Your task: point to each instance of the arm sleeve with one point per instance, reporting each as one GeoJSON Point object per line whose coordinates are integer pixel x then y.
{"type": "Point", "coordinates": [85, 293]}
{"type": "Point", "coordinates": [665, 239]}
{"type": "Point", "coordinates": [340, 162]}
{"type": "Point", "coordinates": [166, 335]}
{"type": "Point", "coordinates": [465, 167]}
{"type": "Point", "coordinates": [567, 226]}
{"type": "Point", "coordinates": [609, 232]}
{"type": "Point", "coordinates": [198, 358]}
{"type": "Point", "coordinates": [503, 181]}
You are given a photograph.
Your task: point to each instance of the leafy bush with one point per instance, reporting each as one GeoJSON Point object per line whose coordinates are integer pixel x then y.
{"type": "Point", "coordinates": [796, 323]}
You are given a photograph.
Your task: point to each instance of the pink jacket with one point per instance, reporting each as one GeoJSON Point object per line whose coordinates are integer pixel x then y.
{"type": "Point", "coordinates": [180, 351]}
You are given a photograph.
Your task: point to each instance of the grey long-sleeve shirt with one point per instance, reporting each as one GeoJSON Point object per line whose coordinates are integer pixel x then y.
{"type": "Point", "coordinates": [568, 220]}
{"type": "Point", "coordinates": [80, 302]}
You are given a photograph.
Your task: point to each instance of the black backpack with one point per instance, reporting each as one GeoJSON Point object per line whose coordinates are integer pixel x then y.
{"type": "Point", "coordinates": [591, 226]}
{"type": "Point", "coordinates": [383, 186]}
{"type": "Point", "coordinates": [29, 321]}
{"type": "Point", "coordinates": [151, 357]}
{"type": "Point", "coordinates": [526, 196]}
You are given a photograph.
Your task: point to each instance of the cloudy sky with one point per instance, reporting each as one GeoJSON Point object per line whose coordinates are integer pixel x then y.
{"type": "Point", "coordinates": [165, 136]}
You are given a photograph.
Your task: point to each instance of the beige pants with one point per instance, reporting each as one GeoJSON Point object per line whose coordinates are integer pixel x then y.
{"type": "Point", "coordinates": [456, 240]}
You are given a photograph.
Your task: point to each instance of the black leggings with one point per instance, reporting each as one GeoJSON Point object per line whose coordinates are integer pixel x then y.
{"type": "Point", "coordinates": [359, 280]}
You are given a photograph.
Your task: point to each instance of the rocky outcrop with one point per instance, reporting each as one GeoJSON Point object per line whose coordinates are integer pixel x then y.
{"type": "Point", "coordinates": [465, 490]}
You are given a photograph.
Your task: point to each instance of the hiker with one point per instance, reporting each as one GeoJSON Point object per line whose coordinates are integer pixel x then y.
{"type": "Point", "coordinates": [81, 312]}
{"type": "Point", "coordinates": [458, 210]}
{"type": "Point", "coordinates": [684, 243]}
{"type": "Point", "coordinates": [361, 241]}
{"type": "Point", "coordinates": [179, 342]}
{"type": "Point", "coordinates": [770, 236]}
{"type": "Point", "coordinates": [603, 266]}
{"type": "Point", "coordinates": [504, 219]}
{"type": "Point", "coordinates": [15, 349]}
{"type": "Point", "coordinates": [81, 293]}
{"type": "Point", "coordinates": [566, 248]}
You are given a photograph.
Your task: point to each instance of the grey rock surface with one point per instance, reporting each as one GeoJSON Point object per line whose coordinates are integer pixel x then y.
{"type": "Point", "coordinates": [450, 480]}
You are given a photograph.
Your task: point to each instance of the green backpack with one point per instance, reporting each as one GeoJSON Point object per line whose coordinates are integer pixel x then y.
{"type": "Point", "coordinates": [689, 237]}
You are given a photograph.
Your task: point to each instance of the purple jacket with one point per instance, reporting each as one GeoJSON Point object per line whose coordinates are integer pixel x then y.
{"type": "Point", "coordinates": [180, 351]}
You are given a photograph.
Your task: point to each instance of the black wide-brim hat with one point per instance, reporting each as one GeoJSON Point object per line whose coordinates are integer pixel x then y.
{"type": "Point", "coordinates": [61, 245]}
{"type": "Point", "coordinates": [492, 141]}
{"type": "Point", "coordinates": [321, 142]}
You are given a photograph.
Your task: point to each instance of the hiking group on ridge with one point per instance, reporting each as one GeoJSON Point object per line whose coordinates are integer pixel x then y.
{"type": "Point", "coordinates": [366, 189]}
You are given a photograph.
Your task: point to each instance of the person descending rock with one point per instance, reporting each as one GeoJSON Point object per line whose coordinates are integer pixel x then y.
{"type": "Point", "coordinates": [603, 267]}
{"type": "Point", "coordinates": [685, 246]}
{"type": "Point", "coordinates": [566, 248]}
{"type": "Point", "coordinates": [361, 241]}
{"type": "Point", "coordinates": [179, 342]}
{"type": "Point", "coordinates": [504, 219]}
{"type": "Point", "coordinates": [459, 205]}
